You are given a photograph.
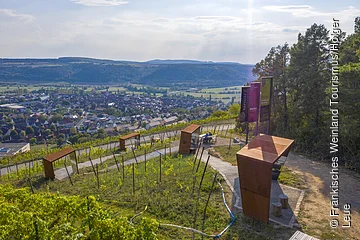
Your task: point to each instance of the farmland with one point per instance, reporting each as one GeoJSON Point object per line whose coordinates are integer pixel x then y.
{"type": "Point", "coordinates": [224, 94]}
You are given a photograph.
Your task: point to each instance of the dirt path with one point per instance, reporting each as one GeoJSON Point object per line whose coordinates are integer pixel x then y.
{"type": "Point", "coordinates": [315, 210]}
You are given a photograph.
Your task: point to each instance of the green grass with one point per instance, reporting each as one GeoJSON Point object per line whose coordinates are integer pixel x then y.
{"type": "Point", "coordinates": [170, 201]}
{"type": "Point", "coordinates": [214, 96]}
{"type": "Point", "coordinates": [217, 90]}
{"type": "Point", "coordinates": [288, 177]}
{"type": "Point", "coordinates": [15, 88]}
{"type": "Point", "coordinates": [215, 93]}
{"type": "Point", "coordinates": [226, 154]}
{"type": "Point", "coordinates": [42, 146]}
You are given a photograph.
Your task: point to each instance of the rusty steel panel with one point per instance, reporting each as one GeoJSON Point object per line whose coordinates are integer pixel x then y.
{"type": "Point", "coordinates": [49, 170]}
{"type": "Point", "coordinates": [122, 144]}
{"type": "Point", "coordinates": [123, 138]}
{"type": "Point", "coordinates": [255, 206]}
{"type": "Point", "coordinates": [191, 128]}
{"type": "Point", "coordinates": [185, 143]}
{"type": "Point", "coordinates": [255, 162]}
{"type": "Point", "coordinates": [254, 176]}
{"type": "Point", "coordinates": [57, 155]}
{"type": "Point", "coordinates": [131, 135]}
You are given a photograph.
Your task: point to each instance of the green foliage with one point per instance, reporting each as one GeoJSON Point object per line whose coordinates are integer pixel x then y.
{"type": "Point", "coordinates": [56, 118]}
{"type": "Point", "coordinates": [29, 130]}
{"type": "Point", "coordinates": [219, 114]}
{"type": "Point", "coordinates": [13, 133]}
{"type": "Point", "coordinates": [234, 109]}
{"type": "Point", "coordinates": [54, 216]}
{"type": "Point", "coordinates": [170, 200]}
{"type": "Point", "coordinates": [154, 74]}
{"type": "Point", "coordinates": [300, 107]}
{"type": "Point", "coordinates": [32, 141]}
{"type": "Point", "coordinates": [290, 178]}
{"type": "Point", "coordinates": [225, 154]}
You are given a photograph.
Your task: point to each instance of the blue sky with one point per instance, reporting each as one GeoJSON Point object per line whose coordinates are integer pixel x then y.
{"type": "Point", "coordinates": [216, 30]}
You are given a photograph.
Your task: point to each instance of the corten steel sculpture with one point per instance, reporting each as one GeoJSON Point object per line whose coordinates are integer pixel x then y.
{"type": "Point", "coordinates": [49, 159]}
{"type": "Point", "coordinates": [255, 162]}
{"type": "Point", "coordinates": [189, 139]}
{"type": "Point", "coordinates": [126, 137]}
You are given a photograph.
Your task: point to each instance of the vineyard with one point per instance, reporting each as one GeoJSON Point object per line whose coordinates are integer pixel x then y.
{"type": "Point", "coordinates": [173, 190]}
{"type": "Point", "coordinates": [35, 168]}
{"type": "Point", "coordinates": [104, 199]}
{"type": "Point", "coordinates": [53, 216]}
{"type": "Point", "coordinates": [108, 141]}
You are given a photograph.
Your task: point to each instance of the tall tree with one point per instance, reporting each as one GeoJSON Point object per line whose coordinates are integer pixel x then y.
{"type": "Point", "coordinates": [309, 74]}
{"type": "Point", "coordinates": [349, 101]}
{"type": "Point", "coordinates": [29, 130]}
{"type": "Point", "coordinates": [275, 64]}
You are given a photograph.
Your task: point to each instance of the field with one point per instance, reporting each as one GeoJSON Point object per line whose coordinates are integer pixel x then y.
{"type": "Point", "coordinates": [217, 93]}
{"type": "Point", "coordinates": [224, 94]}
{"type": "Point", "coordinates": [10, 88]}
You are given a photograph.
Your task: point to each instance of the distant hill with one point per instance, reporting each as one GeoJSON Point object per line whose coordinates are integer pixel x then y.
{"type": "Point", "coordinates": [79, 70]}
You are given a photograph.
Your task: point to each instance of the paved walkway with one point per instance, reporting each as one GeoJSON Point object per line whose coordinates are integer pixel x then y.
{"type": "Point", "coordinates": [61, 174]}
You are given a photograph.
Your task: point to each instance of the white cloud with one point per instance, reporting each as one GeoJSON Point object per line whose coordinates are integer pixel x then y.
{"type": "Point", "coordinates": [12, 13]}
{"type": "Point", "coordinates": [307, 11]}
{"type": "Point", "coordinates": [100, 3]}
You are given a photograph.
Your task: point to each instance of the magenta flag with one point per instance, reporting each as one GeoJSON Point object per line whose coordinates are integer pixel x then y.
{"type": "Point", "coordinates": [254, 101]}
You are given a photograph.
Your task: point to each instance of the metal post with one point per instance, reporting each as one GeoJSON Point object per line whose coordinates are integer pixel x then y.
{"type": "Point", "coordinates": [117, 164]}
{"type": "Point", "coordinates": [145, 160]}
{"type": "Point", "coordinates": [67, 171]}
{"type": "Point", "coordinates": [160, 167]}
{"type": "Point", "coordinates": [123, 167]}
{"type": "Point", "coordinates": [133, 177]}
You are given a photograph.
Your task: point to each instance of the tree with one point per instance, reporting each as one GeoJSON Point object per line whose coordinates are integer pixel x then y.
{"type": "Point", "coordinates": [13, 133]}
{"type": "Point", "coordinates": [309, 74]}
{"type": "Point", "coordinates": [53, 127]}
{"type": "Point", "coordinates": [29, 130]}
{"type": "Point", "coordinates": [234, 109]}
{"type": "Point", "coordinates": [73, 130]}
{"type": "Point", "coordinates": [349, 58]}
{"type": "Point", "coordinates": [32, 141]}
{"type": "Point", "coordinates": [220, 113]}
{"type": "Point", "coordinates": [56, 118]}
{"type": "Point", "coordinates": [65, 103]}
{"type": "Point", "coordinates": [46, 133]}
{"type": "Point", "coordinates": [101, 133]}
{"type": "Point", "coordinates": [357, 25]}
{"type": "Point", "coordinates": [61, 135]}
{"type": "Point", "coordinates": [22, 134]}
{"type": "Point", "coordinates": [110, 111]}
{"type": "Point", "coordinates": [42, 118]}
{"type": "Point", "coordinates": [275, 64]}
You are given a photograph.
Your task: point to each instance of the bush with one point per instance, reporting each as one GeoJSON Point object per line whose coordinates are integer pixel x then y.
{"type": "Point", "coordinates": [32, 141]}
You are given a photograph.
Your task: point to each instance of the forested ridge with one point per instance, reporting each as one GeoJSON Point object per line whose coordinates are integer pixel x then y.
{"type": "Point", "coordinates": [302, 92]}
{"type": "Point", "coordinates": [96, 71]}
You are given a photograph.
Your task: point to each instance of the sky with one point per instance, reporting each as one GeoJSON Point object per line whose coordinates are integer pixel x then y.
{"type": "Point", "coordinates": [140, 30]}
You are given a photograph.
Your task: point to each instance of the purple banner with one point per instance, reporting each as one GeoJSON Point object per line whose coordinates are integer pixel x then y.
{"type": "Point", "coordinates": [244, 104]}
{"type": "Point", "coordinates": [254, 101]}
